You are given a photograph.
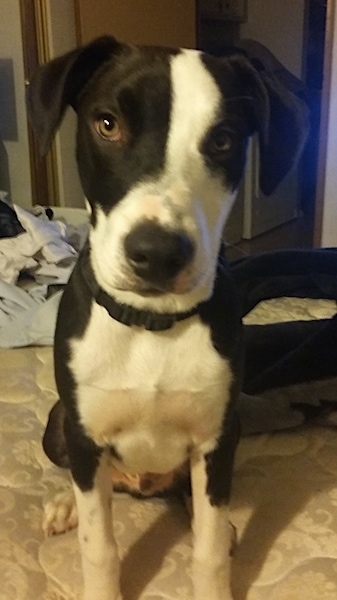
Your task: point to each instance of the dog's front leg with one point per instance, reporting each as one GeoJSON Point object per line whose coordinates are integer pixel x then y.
{"type": "Point", "coordinates": [211, 477]}
{"type": "Point", "coordinates": [212, 540]}
{"type": "Point", "coordinates": [100, 562]}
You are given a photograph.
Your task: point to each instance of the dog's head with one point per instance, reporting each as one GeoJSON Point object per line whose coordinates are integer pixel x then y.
{"type": "Point", "coordinates": [161, 146]}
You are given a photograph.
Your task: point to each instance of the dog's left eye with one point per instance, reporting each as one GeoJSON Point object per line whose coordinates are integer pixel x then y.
{"type": "Point", "coordinates": [108, 127]}
{"type": "Point", "coordinates": [222, 140]}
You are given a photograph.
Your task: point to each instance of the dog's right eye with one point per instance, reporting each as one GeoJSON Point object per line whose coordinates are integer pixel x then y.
{"type": "Point", "coordinates": [108, 128]}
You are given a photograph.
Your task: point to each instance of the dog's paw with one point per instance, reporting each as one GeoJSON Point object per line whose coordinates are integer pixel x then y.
{"type": "Point", "coordinates": [108, 597]}
{"type": "Point", "coordinates": [60, 514]}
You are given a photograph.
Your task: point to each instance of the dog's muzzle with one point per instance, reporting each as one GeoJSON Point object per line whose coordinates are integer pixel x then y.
{"type": "Point", "coordinates": [157, 255]}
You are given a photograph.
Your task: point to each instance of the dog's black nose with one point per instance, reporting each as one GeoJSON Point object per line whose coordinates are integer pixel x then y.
{"type": "Point", "coordinates": [157, 254]}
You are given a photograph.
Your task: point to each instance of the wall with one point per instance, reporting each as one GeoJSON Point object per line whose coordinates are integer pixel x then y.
{"type": "Point", "coordinates": [329, 137]}
{"type": "Point", "coordinates": [279, 26]}
{"type": "Point", "coordinates": [154, 22]}
{"type": "Point", "coordinates": [17, 149]}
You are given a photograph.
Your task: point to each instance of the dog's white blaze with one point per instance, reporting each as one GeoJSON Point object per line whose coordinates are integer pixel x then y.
{"type": "Point", "coordinates": [186, 191]}
{"type": "Point", "coordinates": [152, 396]}
{"type": "Point", "coordinates": [196, 104]}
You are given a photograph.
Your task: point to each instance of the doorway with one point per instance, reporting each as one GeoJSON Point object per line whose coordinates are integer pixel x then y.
{"type": "Point", "coordinates": [51, 176]}
{"type": "Point", "coordinates": [48, 30]}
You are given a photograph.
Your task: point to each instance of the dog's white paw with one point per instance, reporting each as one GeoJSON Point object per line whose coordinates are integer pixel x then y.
{"type": "Point", "coordinates": [60, 514]}
{"type": "Point", "coordinates": [107, 597]}
{"type": "Point", "coordinates": [102, 591]}
{"type": "Point", "coordinates": [211, 581]}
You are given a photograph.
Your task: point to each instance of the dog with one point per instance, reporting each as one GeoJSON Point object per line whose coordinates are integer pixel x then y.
{"type": "Point", "coordinates": [148, 343]}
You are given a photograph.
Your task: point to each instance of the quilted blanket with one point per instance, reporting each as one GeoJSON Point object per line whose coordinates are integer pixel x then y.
{"type": "Point", "coordinates": [284, 503]}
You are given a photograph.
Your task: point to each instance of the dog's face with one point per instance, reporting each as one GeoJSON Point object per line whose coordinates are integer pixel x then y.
{"type": "Point", "coordinates": [161, 148]}
{"type": "Point", "coordinates": [161, 151]}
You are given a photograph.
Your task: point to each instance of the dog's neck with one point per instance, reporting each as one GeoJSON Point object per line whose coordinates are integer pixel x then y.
{"type": "Point", "coordinates": [129, 315]}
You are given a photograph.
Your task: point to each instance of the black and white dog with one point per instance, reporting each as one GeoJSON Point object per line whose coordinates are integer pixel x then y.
{"type": "Point", "coordinates": [148, 352]}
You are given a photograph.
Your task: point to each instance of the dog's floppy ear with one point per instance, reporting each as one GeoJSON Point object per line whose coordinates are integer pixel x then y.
{"type": "Point", "coordinates": [281, 119]}
{"type": "Point", "coordinates": [59, 84]}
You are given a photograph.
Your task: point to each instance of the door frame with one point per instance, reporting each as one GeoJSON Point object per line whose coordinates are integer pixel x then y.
{"type": "Point", "coordinates": [35, 52]}
{"type": "Point", "coordinates": [330, 34]}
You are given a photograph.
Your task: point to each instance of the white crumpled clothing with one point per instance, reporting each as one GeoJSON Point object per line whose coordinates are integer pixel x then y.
{"type": "Point", "coordinates": [43, 243]}
{"type": "Point", "coordinates": [27, 317]}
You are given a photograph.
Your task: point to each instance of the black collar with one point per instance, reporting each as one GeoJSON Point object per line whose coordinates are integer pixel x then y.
{"type": "Point", "coordinates": [128, 315]}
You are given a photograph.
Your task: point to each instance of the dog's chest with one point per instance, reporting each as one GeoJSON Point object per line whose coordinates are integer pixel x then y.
{"type": "Point", "coordinates": [153, 396]}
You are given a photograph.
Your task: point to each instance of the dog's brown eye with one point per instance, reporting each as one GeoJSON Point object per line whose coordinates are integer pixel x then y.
{"type": "Point", "coordinates": [108, 128]}
{"type": "Point", "coordinates": [222, 140]}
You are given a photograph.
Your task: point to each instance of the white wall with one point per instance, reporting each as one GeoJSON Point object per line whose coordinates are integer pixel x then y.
{"type": "Point", "coordinates": [278, 24]}
{"type": "Point", "coordinates": [329, 220]}
{"type": "Point", "coordinates": [18, 150]}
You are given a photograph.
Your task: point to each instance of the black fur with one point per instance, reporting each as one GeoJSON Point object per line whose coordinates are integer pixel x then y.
{"type": "Point", "coordinates": [109, 79]}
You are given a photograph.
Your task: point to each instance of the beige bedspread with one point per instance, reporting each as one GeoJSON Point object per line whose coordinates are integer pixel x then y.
{"type": "Point", "coordinates": [284, 504]}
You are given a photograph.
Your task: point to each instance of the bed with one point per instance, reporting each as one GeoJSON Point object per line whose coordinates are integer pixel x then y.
{"type": "Point", "coordinates": [284, 503]}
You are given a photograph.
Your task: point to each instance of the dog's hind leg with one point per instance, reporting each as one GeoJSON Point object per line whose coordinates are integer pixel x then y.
{"type": "Point", "coordinates": [54, 443]}
{"type": "Point", "coordinates": [60, 514]}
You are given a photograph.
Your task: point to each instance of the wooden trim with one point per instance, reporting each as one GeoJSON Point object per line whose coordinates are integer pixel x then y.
{"type": "Point", "coordinates": [34, 19]}
{"type": "Point", "coordinates": [322, 151]}
{"type": "Point", "coordinates": [43, 45]}
{"type": "Point", "coordinates": [143, 22]}
{"type": "Point", "coordinates": [78, 23]}
{"type": "Point", "coordinates": [42, 30]}
{"type": "Point", "coordinates": [38, 164]}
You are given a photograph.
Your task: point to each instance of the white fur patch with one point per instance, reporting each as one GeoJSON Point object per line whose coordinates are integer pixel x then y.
{"type": "Point", "coordinates": [100, 561]}
{"type": "Point", "coordinates": [196, 104]}
{"type": "Point", "coordinates": [212, 540]}
{"type": "Point", "coordinates": [153, 397]}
